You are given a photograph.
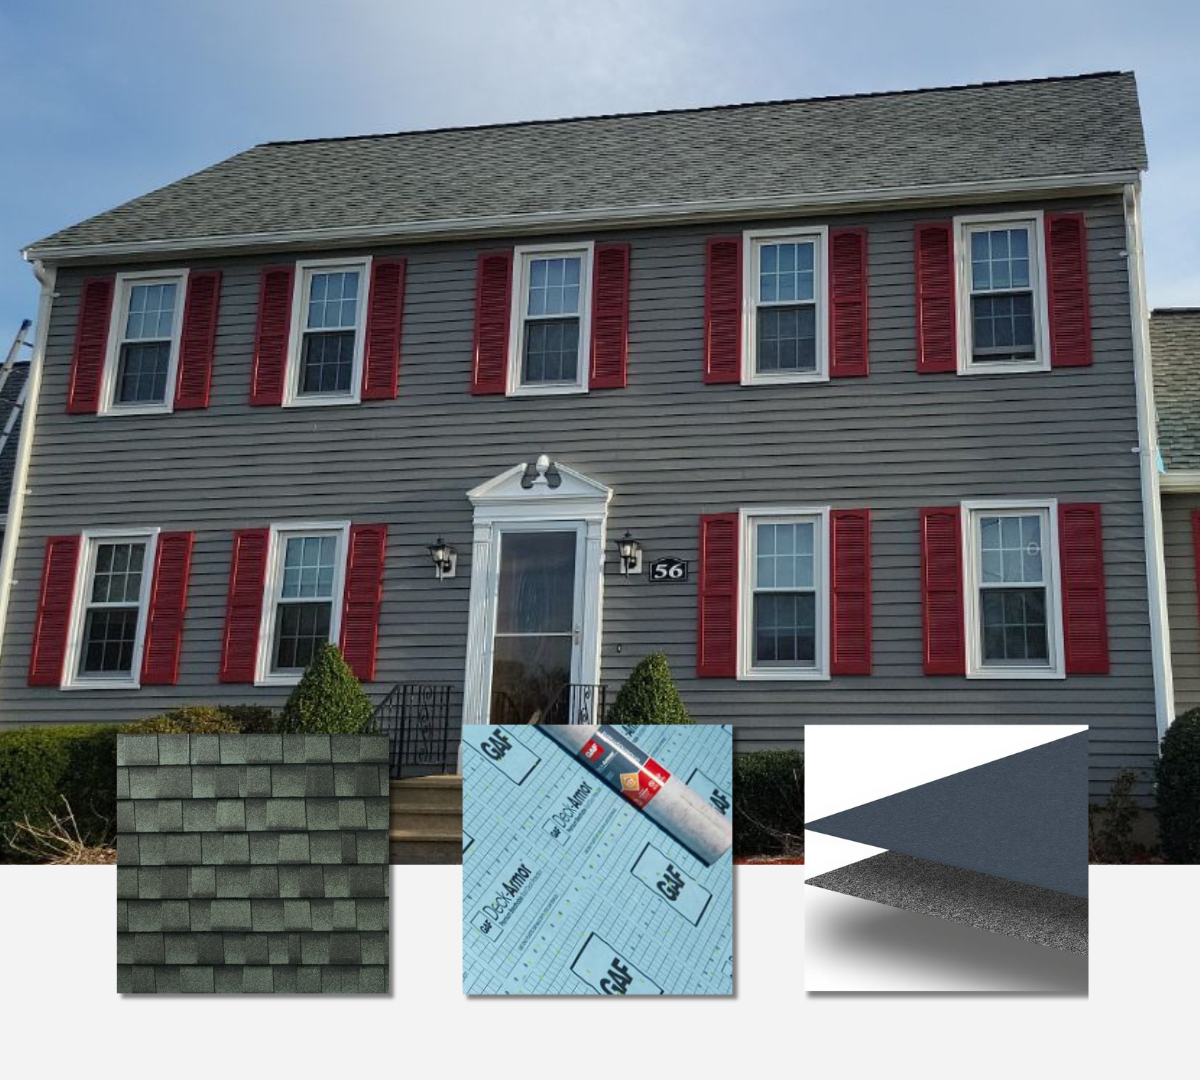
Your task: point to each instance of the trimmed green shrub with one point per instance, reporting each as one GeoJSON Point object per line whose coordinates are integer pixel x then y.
{"type": "Point", "coordinates": [1179, 790]}
{"type": "Point", "coordinates": [39, 767]}
{"type": "Point", "coordinates": [186, 720]}
{"type": "Point", "coordinates": [328, 700]}
{"type": "Point", "coordinates": [1111, 824]}
{"type": "Point", "coordinates": [649, 696]}
{"type": "Point", "coordinates": [253, 719]}
{"type": "Point", "coordinates": [768, 803]}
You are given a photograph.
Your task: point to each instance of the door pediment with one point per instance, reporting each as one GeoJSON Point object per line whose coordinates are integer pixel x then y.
{"type": "Point", "coordinates": [542, 487]}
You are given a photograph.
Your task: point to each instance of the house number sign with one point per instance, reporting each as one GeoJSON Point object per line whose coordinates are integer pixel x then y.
{"type": "Point", "coordinates": [668, 569]}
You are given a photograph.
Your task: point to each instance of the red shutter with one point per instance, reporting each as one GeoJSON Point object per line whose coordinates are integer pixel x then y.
{"type": "Point", "coordinates": [91, 345]}
{"type": "Point", "coordinates": [847, 303]}
{"type": "Point", "coordinates": [54, 611]}
{"type": "Point", "coordinates": [493, 299]}
{"type": "Point", "coordinates": [610, 315]}
{"type": "Point", "coordinates": [850, 602]}
{"type": "Point", "coordinates": [168, 599]}
{"type": "Point", "coordinates": [937, 341]}
{"type": "Point", "coordinates": [723, 310]}
{"type": "Point", "coordinates": [243, 606]}
{"type": "Point", "coordinates": [942, 591]}
{"type": "Point", "coordinates": [198, 339]}
{"type": "Point", "coordinates": [1081, 562]}
{"type": "Point", "coordinates": [716, 637]}
{"type": "Point", "coordinates": [1067, 290]}
{"type": "Point", "coordinates": [381, 367]}
{"type": "Point", "coordinates": [271, 335]}
{"type": "Point", "coordinates": [364, 591]}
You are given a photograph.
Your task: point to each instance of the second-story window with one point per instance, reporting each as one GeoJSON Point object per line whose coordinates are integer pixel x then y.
{"type": "Point", "coordinates": [327, 345]}
{"type": "Point", "coordinates": [785, 307]}
{"type": "Point", "coordinates": [548, 352]}
{"type": "Point", "coordinates": [144, 349]}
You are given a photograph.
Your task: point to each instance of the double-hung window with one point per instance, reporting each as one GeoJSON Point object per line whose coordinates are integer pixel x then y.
{"type": "Point", "coordinates": [144, 343]}
{"type": "Point", "coordinates": [551, 329]}
{"type": "Point", "coordinates": [112, 596]}
{"type": "Point", "coordinates": [785, 304]}
{"type": "Point", "coordinates": [326, 357]}
{"type": "Point", "coordinates": [303, 598]}
{"type": "Point", "coordinates": [784, 574]}
{"type": "Point", "coordinates": [1002, 308]}
{"type": "Point", "coordinates": [1012, 590]}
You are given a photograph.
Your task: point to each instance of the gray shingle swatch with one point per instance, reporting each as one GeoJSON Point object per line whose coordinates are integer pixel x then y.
{"type": "Point", "coordinates": [1175, 351]}
{"type": "Point", "coordinates": [822, 147]}
{"type": "Point", "coordinates": [243, 869]}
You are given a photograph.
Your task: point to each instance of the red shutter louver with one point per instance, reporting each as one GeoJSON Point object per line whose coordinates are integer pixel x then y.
{"type": "Point", "coordinates": [198, 339]}
{"type": "Point", "coordinates": [937, 338]}
{"type": "Point", "coordinates": [723, 310]}
{"type": "Point", "coordinates": [364, 591]}
{"type": "Point", "coordinates": [942, 591]}
{"type": "Point", "coordinates": [243, 605]}
{"type": "Point", "coordinates": [1067, 290]}
{"type": "Point", "coordinates": [1081, 562]}
{"type": "Point", "coordinates": [168, 600]}
{"type": "Point", "coordinates": [716, 637]}
{"type": "Point", "coordinates": [52, 625]}
{"type": "Point", "coordinates": [91, 345]}
{"type": "Point", "coordinates": [493, 299]}
{"type": "Point", "coordinates": [381, 365]}
{"type": "Point", "coordinates": [848, 355]}
{"type": "Point", "coordinates": [271, 334]}
{"type": "Point", "coordinates": [850, 592]}
{"type": "Point", "coordinates": [610, 316]}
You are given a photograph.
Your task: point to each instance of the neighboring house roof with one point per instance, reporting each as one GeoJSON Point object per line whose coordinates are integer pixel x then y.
{"type": "Point", "coordinates": [9, 396]}
{"type": "Point", "coordinates": [639, 165]}
{"type": "Point", "coordinates": [1175, 354]}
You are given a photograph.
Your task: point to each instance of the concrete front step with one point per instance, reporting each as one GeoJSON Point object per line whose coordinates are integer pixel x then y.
{"type": "Point", "coordinates": [441, 791]}
{"type": "Point", "coordinates": [431, 821]}
{"type": "Point", "coordinates": [426, 853]}
{"type": "Point", "coordinates": [426, 820]}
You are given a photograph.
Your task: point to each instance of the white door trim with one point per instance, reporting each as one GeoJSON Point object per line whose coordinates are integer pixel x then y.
{"type": "Point", "coordinates": [537, 495]}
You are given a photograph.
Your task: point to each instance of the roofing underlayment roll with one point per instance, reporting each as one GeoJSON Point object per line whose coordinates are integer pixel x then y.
{"type": "Point", "coordinates": [665, 799]}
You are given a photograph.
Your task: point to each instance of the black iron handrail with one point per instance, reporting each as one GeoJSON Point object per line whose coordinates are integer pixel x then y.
{"type": "Point", "coordinates": [416, 719]}
{"type": "Point", "coordinates": [577, 703]}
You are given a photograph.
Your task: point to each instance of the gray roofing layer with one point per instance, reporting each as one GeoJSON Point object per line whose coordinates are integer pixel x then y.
{"type": "Point", "coordinates": [10, 394]}
{"type": "Point", "coordinates": [1175, 355]}
{"type": "Point", "coordinates": [819, 147]}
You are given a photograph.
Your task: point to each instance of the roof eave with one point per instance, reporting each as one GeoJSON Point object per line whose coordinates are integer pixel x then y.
{"type": "Point", "coordinates": [572, 220]}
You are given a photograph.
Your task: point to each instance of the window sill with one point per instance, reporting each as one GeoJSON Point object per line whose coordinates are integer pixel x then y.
{"type": "Point", "coordinates": [1008, 674]}
{"type": "Point", "coordinates": [316, 401]}
{"type": "Point", "coordinates": [279, 680]}
{"type": "Point", "coordinates": [551, 390]}
{"type": "Point", "coordinates": [1002, 367]}
{"type": "Point", "coordinates": [783, 675]}
{"type": "Point", "coordinates": [102, 684]}
{"type": "Point", "coordinates": [757, 379]}
{"type": "Point", "coordinates": [163, 409]}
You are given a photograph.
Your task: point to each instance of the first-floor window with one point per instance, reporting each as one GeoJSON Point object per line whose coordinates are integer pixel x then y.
{"type": "Point", "coordinates": [1011, 591]}
{"type": "Point", "coordinates": [113, 598]}
{"type": "Point", "coordinates": [305, 593]}
{"type": "Point", "coordinates": [784, 609]}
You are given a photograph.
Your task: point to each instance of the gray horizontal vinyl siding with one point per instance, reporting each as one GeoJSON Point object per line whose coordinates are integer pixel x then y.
{"type": "Point", "coordinates": [671, 447]}
{"type": "Point", "coordinates": [1183, 599]}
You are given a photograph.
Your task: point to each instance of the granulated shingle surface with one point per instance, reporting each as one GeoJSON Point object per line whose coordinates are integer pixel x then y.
{"type": "Point", "coordinates": [1054, 919]}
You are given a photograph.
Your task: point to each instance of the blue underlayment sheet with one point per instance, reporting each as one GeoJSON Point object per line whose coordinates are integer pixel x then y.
{"type": "Point", "coordinates": [570, 889]}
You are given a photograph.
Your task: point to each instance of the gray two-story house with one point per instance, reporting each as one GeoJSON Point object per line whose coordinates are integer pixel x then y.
{"type": "Point", "coordinates": [843, 404]}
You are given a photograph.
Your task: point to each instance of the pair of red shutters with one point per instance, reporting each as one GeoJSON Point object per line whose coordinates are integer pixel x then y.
{"type": "Point", "coordinates": [1081, 565]}
{"type": "Point", "coordinates": [243, 612]}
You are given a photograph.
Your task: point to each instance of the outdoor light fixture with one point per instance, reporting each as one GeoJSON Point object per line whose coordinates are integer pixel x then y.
{"type": "Point", "coordinates": [444, 557]}
{"type": "Point", "coordinates": [631, 554]}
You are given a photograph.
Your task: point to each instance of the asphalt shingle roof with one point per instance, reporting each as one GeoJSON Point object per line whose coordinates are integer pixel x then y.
{"type": "Point", "coordinates": [1175, 355]}
{"type": "Point", "coordinates": [820, 147]}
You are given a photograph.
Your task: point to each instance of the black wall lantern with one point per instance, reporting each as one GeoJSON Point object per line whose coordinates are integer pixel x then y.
{"type": "Point", "coordinates": [444, 557]}
{"type": "Point", "coordinates": [631, 554]}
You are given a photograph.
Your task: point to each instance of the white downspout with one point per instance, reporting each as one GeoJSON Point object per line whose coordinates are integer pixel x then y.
{"type": "Point", "coordinates": [16, 500]}
{"type": "Point", "coordinates": [1147, 450]}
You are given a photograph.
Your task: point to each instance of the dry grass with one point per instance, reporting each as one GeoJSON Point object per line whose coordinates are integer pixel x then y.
{"type": "Point", "coordinates": [59, 843]}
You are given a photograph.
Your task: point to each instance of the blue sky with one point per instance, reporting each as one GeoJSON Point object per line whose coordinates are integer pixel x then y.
{"type": "Point", "coordinates": [100, 102]}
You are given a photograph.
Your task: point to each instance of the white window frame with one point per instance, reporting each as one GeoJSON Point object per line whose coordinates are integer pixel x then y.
{"type": "Point", "coordinates": [749, 517]}
{"type": "Point", "coordinates": [972, 511]}
{"type": "Point", "coordinates": [90, 539]}
{"type": "Point", "coordinates": [964, 226]}
{"type": "Point", "coordinates": [752, 241]}
{"type": "Point", "coordinates": [122, 289]}
{"type": "Point", "coordinates": [302, 281]}
{"type": "Point", "coordinates": [280, 533]}
{"type": "Point", "coordinates": [522, 256]}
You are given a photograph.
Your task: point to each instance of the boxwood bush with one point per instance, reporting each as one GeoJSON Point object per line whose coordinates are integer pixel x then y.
{"type": "Point", "coordinates": [649, 696]}
{"type": "Point", "coordinates": [768, 803]}
{"type": "Point", "coordinates": [1178, 790]}
{"type": "Point", "coordinates": [328, 699]}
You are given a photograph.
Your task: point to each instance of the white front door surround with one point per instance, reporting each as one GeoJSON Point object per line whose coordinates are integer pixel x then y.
{"type": "Point", "coordinates": [531, 498]}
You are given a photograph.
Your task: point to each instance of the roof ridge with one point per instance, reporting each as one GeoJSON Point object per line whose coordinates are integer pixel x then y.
{"type": "Point", "coordinates": [701, 108]}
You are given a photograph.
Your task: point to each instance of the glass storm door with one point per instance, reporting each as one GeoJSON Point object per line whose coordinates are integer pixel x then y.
{"type": "Point", "coordinates": [537, 636]}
